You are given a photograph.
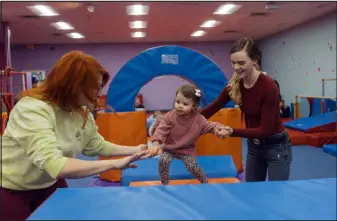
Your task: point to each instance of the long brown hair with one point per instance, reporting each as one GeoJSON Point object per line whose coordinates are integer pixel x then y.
{"type": "Point", "coordinates": [253, 53]}
{"type": "Point", "coordinates": [75, 73]}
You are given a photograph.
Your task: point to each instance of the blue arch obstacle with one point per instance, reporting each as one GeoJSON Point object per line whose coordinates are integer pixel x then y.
{"type": "Point", "coordinates": [164, 60]}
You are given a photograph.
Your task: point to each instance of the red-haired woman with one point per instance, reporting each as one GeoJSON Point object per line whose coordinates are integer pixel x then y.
{"type": "Point", "coordinates": [47, 129]}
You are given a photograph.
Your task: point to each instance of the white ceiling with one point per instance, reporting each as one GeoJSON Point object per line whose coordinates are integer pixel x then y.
{"type": "Point", "coordinates": [167, 21]}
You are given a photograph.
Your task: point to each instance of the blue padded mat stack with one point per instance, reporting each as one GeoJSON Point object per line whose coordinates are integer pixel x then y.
{"type": "Point", "coordinates": [306, 123]}
{"type": "Point", "coordinates": [329, 106]}
{"type": "Point", "coordinates": [282, 200]}
{"type": "Point", "coordinates": [214, 167]}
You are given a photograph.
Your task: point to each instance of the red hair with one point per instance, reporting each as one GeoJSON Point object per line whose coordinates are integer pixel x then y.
{"type": "Point", "coordinates": [74, 74]}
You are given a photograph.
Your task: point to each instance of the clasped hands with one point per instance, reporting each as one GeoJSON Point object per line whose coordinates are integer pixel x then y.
{"type": "Point", "coordinates": [223, 131]}
{"type": "Point", "coordinates": [142, 152]}
{"type": "Point", "coordinates": [145, 152]}
{"type": "Point", "coordinates": [149, 151]}
{"type": "Point", "coordinates": [220, 131]}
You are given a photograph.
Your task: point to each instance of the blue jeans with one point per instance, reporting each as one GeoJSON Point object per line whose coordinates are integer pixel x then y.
{"type": "Point", "coordinates": [273, 155]}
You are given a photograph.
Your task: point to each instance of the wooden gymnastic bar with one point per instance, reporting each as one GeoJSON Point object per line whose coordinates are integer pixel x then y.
{"type": "Point", "coordinates": [323, 81]}
{"type": "Point", "coordinates": [297, 97]}
{"type": "Point", "coordinates": [319, 97]}
{"type": "Point", "coordinates": [329, 79]}
{"type": "Point", "coordinates": [13, 72]}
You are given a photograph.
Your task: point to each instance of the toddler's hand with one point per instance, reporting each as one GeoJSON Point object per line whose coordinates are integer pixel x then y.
{"type": "Point", "coordinates": [218, 132]}
{"type": "Point", "coordinates": [223, 131]}
{"type": "Point", "coordinates": [153, 151]}
{"type": "Point", "coordinates": [226, 131]}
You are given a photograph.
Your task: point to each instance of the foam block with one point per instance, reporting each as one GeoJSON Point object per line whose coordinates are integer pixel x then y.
{"type": "Point", "coordinates": [316, 107]}
{"type": "Point", "coordinates": [210, 145]}
{"type": "Point", "coordinates": [329, 105]}
{"type": "Point", "coordinates": [126, 128]}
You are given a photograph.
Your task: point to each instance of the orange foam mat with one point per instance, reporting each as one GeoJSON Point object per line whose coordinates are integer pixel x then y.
{"type": "Point", "coordinates": [129, 128]}
{"type": "Point", "coordinates": [184, 182]}
{"type": "Point", "coordinates": [126, 128]}
{"type": "Point", "coordinates": [210, 145]}
{"type": "Point", "coordinates": [317, 139]}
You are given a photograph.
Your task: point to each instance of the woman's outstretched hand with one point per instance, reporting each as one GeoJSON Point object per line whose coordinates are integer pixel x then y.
{"type": "Point", "coordinates": [142, 147]}
{"type": "Point", "coordinates": [150, 151]}
{"type": "Point", "coordinates": [127, 162]}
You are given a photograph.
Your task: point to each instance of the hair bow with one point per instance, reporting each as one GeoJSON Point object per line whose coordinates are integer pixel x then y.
{"type": "Point", "coordinates": [197, 93]}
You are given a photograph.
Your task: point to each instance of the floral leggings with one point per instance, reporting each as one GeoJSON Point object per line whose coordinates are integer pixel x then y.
{"type": "Point", "coordinates": [189, 161]}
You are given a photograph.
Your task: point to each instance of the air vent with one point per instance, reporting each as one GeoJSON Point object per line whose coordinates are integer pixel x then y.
{"type": "Point", "coordinates": [230, 31]}
{"type": "Point", "coordinates": [30, 16]}
{"type": "Point", "coordinates": [56, 34]}
{"type": "Point", "coordinates": [259, 14]}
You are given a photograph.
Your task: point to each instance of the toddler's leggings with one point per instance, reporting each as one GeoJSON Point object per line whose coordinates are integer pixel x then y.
{"type": "Point", "coordinates": [189, 161]}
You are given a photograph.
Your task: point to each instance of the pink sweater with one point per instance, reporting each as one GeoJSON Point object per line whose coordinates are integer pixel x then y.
{"type": "Point", "coordinates": [178, 133]}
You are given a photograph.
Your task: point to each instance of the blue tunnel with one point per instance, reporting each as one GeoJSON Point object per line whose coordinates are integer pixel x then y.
{"type": "Point", "coordinates": [165, 60]}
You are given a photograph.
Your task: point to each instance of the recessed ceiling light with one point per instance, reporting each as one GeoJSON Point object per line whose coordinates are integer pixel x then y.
{"type": "Point", "coordinates": [75, 35]}
{"type": "Point", "coordinates": [62, 25]}
{"type": "Point", "coordinates": [209, 24]}
{"type": "Point", "coordinates": [137, 9]}
{"type": "Point", "coordinates": [138, 24]}
{"type": "Point", "coordinates": [43, 10]}
{"type": "Point", "coordinates": [138, 34]}
{"type": "Point", "coordinates": [198, 33]}
{"type": "Point", "coordinates": [227, 9]}
{"type": "Point", "coordinates": [91, 8]}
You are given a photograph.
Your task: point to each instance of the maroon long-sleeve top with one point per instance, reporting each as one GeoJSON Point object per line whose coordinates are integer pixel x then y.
{"type": "Point", "coordinates": [260, 104]}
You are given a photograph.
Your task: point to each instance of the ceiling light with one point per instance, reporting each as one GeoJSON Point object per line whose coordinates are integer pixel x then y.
{"type": "Point", "coordinates": [138, 24]}
{"type": "Point", "coordinates": [75, 35]}
{"type": "Point", "coordinates": [137, 9]}
{"type": "Point", "coordinates": [227, 9]}
{"type": "Point", "coordinates": [43, 10]}
{"type": "Point", "coordinates": [198, 33]}
{"type": "Point", "coordinates": [209, 24]}
{"type": "Point", "coordinates": [138, 34]}
{"type": "Point", "coordinates": [62, 25]}
{"type": "Point", "coordinates": [272, 6]}
{"type": "Point", "coordinates": [91, 8]}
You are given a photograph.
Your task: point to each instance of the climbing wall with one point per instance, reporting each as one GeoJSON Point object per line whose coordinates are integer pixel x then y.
{"type": "Point", "coordinates": [300, 57]}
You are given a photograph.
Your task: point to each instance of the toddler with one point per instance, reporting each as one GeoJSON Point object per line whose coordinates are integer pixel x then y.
{"type": "Point", "coordinates": [178, 131]}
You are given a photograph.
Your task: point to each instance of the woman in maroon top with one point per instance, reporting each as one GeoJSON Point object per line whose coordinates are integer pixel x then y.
{"type": "Point", "coordinates": [269, 147]}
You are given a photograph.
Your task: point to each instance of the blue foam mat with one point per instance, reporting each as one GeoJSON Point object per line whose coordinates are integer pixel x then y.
{"type": "Point", "coordinates": [214, 167]}
{"type": "Point", "coordinates": [306, 123]}
{"type": "Point", "coordinates": [283, 200]}
{"type": "Point", "coordinates": [316, 107]}
{"type": "Point", "coordinates": [330, 149]}
{"type": "Point", "coordinates": [329, 106]}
